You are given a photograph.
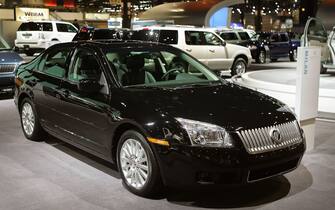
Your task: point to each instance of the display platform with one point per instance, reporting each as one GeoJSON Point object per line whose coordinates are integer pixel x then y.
{"type": "Point", "coordinates": [280, 84]}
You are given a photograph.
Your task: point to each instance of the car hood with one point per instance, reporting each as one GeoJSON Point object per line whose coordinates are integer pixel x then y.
{"type": "Point", "coordinates": [10, 57]}
{"type": "Point", "coordinates": [227, 105]}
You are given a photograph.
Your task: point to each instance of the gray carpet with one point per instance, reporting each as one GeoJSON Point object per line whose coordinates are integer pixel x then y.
{"type": "Point", "coordinates": [55, 175]}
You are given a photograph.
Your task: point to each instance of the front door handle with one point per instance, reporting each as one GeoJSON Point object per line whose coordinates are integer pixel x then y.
{"type": "Point", "coordinates": [188, 50]}
{"type": "Point", "coordinates": [212, 51]}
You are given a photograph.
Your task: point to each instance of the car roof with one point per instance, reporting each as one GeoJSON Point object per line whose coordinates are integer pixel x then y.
{"type": "Point", "coordinates": [47, 21]}
{"type": "Point", "coordinates": [182, 28]}
{"type": "Point", "coordinates": [117, 43]}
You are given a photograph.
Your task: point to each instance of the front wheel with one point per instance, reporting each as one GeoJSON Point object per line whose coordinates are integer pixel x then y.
{"type": "Point", "coordinates": [239, 67]}
{"type": "Point", "coordinates": [261, 57]}
{"type": "Point", "coordinates": [137, 164]}
{"type": "Point", "coordinates": [293, 55]}
{"type": "Point", "coordinates": [30, 122]}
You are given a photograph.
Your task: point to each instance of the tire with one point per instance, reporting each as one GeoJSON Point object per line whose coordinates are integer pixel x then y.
{"type": "Point", "coordinates": [152, 184]}
{"type": "Point", "coordinates": [323, 70]}
{"type": "Point", "coordinates": [239, 67]}
{"type": "Point", "coordinates": [29, 53]}
{"type": "Point", "coordinates": [293, 56]}
{"type": "Point", "coordinates": [30, 123]}
{"type": "Point", "coordinates": [261, 57]}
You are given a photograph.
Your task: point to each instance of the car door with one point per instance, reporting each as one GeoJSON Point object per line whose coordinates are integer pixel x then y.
{"type": "Point", "coordinates": [46, 80]}
{"type": "Point", "coordinates": [66, 32]}
{"type": "Point", "coordinates": [194, 45]}
{"type": "Point", "coordinates": [86, 115]}
{"type": "Point", "coordinates": [274, 46]}
{"type": "Point", "coordinates": [285, 45]}
{"type": "Point", "coordinates": [216, 52]}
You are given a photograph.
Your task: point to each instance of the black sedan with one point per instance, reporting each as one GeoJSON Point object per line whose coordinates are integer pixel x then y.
{"type": "Point", "coordinates": [158, 113]}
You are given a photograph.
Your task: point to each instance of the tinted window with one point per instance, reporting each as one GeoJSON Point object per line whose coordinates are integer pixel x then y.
{"type": "Point", "coordinates": [229, 36]}
{"type": "Point", "coordinates": [244, 35]}
{"type": "Point", "coordinates": [275, 38]}
{"type": "Point", "coordinates": [35, 26]}
{"type": "Point", "coordinates": [105, 34]}
{"type": "Point", "coordinates": [212, 39]}
{"type": "Point", "coordinates": [194, 38]}
{"type": "Point", "coordinates": [62, 27]}
{"type": "Point", "coordinates": [54, 63]}
{"type": "Point", "coordinates": [168, 36]}
{"type": "Point", "coordinates": [162, 36]}
{"type": "Point", "coordinates": [283, 38]}
{"type": "Point", "coordinates": [85, 66]}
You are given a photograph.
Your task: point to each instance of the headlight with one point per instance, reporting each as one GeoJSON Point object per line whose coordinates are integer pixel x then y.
{"type": "Point", "coordinates": [252, 47]}
{"type": "Point", "coordinates": [206, 134]}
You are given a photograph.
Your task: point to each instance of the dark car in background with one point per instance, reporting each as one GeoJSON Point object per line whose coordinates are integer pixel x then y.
{"type": "Point", "coordinates": [280, 45]}
{"type": "Point", "coordinates": [9, 60]}
{"type": "Point", "coordinates": [91, 33]}
{"type": "Point", "coordinates": [128, 102]}
{"type": "Point", "coordinates": [259, 50]}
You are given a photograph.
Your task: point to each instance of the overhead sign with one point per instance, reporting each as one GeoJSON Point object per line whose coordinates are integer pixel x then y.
{"type": "Point", "coordinates": [28, 14]}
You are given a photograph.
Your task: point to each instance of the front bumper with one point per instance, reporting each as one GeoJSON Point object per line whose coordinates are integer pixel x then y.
{"type": "Point", "coordinates": [7, 83]}
{"type": "Point", "coordinates": [197, 166]}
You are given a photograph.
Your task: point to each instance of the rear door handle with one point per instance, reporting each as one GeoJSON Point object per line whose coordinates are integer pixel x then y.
{"type": "Point", "coordinates": [212, 51]}
{"type": "Point", "coordinates": [189, 50]}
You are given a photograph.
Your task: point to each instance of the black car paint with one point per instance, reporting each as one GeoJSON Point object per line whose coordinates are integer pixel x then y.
{"type": "Point", "coordinates": [151, 110]}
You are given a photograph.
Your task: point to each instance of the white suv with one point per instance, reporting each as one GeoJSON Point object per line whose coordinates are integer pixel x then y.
{"type": "Point", "coordinates": [36, 36]}
{"type": "Point", "coordinates": [203, 44]}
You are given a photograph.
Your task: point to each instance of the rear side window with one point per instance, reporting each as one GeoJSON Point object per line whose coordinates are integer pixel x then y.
{"type": "Point", "coordinates": [162, 36]}
{"type": "Point", "coordinates": [229, 36]}
{"type": "Point", "coordinates": [244, 35]}
{"type": "Point", "coordinates": [168, 36]}
{"type": "Point", "coordinates": [62, 27]}
{"type": "Point", "coordinates": [35, 26]}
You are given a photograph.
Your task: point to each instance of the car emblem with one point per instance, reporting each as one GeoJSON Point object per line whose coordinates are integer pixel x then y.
{"type": "Point", "coordinates": [275, 136]}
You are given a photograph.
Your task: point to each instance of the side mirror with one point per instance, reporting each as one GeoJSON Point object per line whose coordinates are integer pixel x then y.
{"type": "Point", "coordinates": [224, 43]}
{"type": "Point", "coordinates": [89, 86]}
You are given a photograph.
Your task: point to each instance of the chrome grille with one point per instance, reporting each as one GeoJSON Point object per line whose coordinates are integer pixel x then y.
{"type": "Point", "coordinates": [258, 140]}
{"type": "Point", "coordinates": [7, 68]}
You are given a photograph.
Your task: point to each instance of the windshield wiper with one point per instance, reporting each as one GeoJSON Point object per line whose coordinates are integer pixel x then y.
{"type": "Point", "coordinates": [198, 85]}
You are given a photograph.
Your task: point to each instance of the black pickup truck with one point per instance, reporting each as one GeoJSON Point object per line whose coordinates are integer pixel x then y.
{"type": "Point", "coordinates": [280, 45]}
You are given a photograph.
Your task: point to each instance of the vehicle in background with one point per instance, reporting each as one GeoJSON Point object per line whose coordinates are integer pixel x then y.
{"type": "Point", "coordinates": [9, 61]}
{"type": "Point", "coordinates": [32, 37]}
{"type": "Point", "coordinates": [204, 44]}
{"type": "Point", "coordinates": [259, 50]}
{"type": "Point", "coordinates": [91, 33]}
{"type": "Point", "coordinates": [315, 34]}
{"type": "Point", "coordinates": [280, 45]}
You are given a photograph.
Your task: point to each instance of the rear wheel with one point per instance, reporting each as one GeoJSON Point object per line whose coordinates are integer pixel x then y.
{"type": "Point", "coordinates": [137, 164]}
{"type": "Point", "coordinates": [30, 122]}
{"type": "Point", "coordinates": [239, 67]}
{"type": "Point", "coordinates": [293, 55]}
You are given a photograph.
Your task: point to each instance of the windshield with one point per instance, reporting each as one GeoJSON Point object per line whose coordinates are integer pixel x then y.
{"type": "Point", "coordinates": [151, 67]}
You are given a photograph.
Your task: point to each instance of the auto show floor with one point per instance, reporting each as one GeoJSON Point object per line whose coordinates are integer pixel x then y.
{"type": "Point", "coordinates": [55, 175]}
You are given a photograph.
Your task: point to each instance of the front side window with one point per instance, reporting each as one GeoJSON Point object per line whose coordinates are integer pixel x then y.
{"type": "Point", "coordinates": [212, 39]}
{"type": "Point", "coordinates": [157, 68]}
{"type": "Point", "coordinates": [63, 27]}
{"type": "Point", "coordinates": [54, 63]}
{"type": "Point", "coordinates": [244, 35]}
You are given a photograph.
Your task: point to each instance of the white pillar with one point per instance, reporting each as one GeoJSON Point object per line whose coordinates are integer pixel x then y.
{"type": "Point", "coordinates": [307, 94]}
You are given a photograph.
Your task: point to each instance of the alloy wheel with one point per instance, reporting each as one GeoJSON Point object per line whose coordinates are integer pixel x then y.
{"type": "Point", "coordinates": [135, 164]}
{"type": "Point", "coordinates": [240, 67]}
{"type": "Point", "coordinates": [28, 119]}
